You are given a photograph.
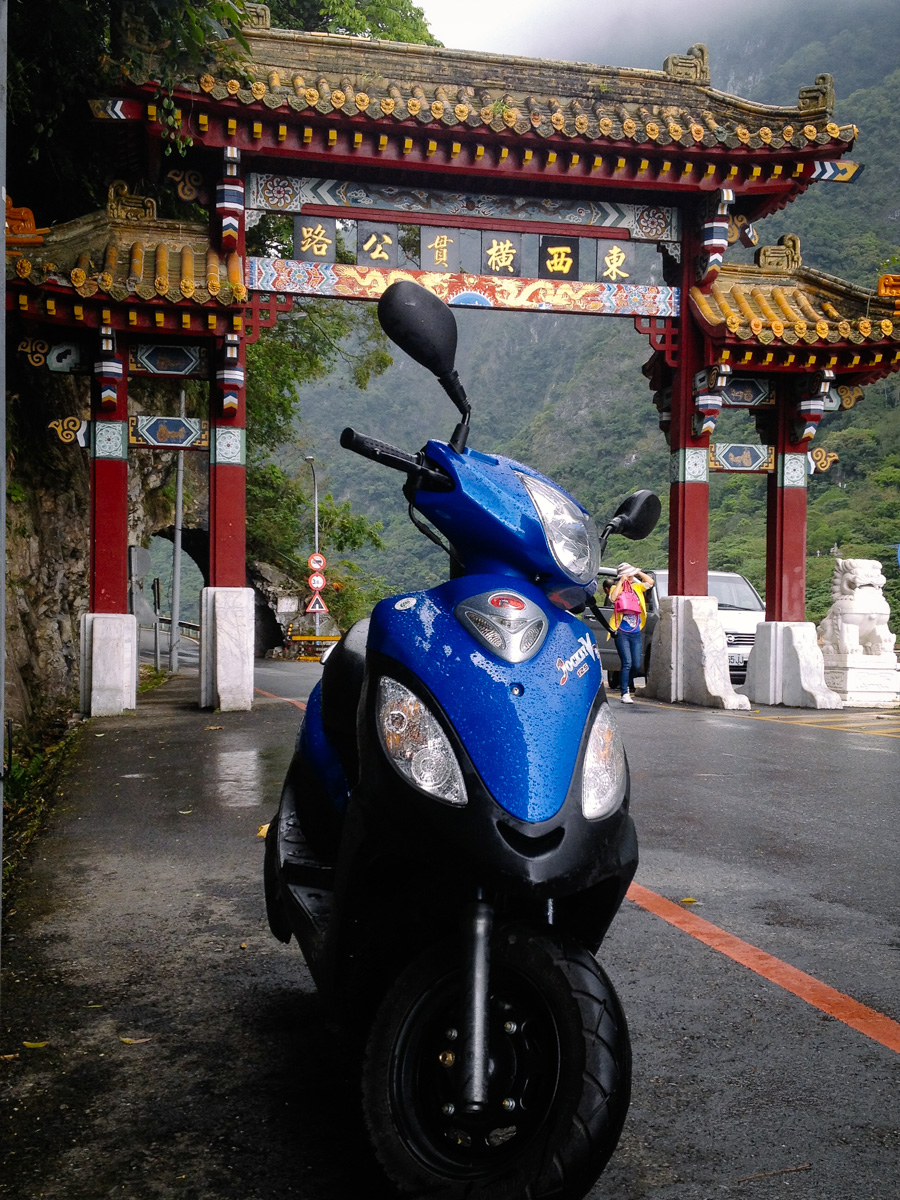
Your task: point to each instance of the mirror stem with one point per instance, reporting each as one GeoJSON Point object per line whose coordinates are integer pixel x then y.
{"type": "Point", "coordinates": [455, 390]}
{"type": "Point", "coordinates": [460, 436]}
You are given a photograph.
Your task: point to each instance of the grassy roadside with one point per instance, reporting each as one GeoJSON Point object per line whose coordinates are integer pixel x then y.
{"type": "Point", "coordinates": [29, 793]}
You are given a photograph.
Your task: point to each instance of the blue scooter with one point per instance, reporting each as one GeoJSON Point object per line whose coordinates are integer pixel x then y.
{"type": "Point", "coordinates": [453, 839]}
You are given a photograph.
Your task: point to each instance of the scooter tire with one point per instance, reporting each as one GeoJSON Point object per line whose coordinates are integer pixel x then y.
{"type": "Point", "coordinates": [559, 1049]}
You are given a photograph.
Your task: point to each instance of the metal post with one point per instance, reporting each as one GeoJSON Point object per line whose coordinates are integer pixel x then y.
{"type": "Point", "coordinates": [175, 626]}
{"type": "Point", "coordinates": [312, 465]}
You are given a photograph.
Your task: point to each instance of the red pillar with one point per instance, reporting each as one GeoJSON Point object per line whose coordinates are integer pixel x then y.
{"type": "Point", "coordinates": [227, 411]}
{"type": "Point", "coordinates": [689, 488]}
{"type": "Point", "coordinates": [228, 470]}
{"type": "Point", "coordinates": [109, 480]}
{"type": "Point", "coordinates": [786, 516]}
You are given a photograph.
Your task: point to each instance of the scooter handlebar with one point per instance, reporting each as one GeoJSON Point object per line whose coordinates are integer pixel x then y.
{"type": "Point", "coordinates": [380, 452]}
{"type": "Point", "coordinates": [431, 478]}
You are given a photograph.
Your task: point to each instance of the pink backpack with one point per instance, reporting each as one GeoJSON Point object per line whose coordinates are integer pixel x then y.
{"type": "Point", "coordinates": [627, 600]}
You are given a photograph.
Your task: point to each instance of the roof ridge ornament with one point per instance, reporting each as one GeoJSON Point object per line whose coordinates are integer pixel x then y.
{"type": "Point", "coordinates": [692, 67]}
{"type": "Point", "coordinates": [122, 205]}
{"type": "Point", "coordinates": [819, 96]}
{"type": "Point", "coordinates": [256, 16]}
{"type": "Point", "coordinates": [783, 257]}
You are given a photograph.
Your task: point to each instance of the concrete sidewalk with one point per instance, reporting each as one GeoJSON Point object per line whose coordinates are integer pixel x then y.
{"type": "Point", "coordinates": [178, 1049]}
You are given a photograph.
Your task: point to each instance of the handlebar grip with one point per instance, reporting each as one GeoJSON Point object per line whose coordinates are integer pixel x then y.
{"type": "Point", "coordinates": [380, 452]}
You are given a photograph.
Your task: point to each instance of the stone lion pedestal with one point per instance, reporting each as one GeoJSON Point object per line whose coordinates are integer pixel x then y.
{"type": "Point", "coordinates": [857, 646]}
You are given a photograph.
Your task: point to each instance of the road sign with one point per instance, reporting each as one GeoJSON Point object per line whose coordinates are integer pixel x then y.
{"type": "Point", "coordinates": [317, 604]}
{"type": "Point", "coordinates": [316, 562]}
{"type": "Point", "coordinates": [316, 582]}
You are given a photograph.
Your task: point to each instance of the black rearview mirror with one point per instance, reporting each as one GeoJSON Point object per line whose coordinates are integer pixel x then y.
{"type": "Point", "coordinates": [423, 326]}
{"type": "Point", "coordinates": [420, 324]}
{"type": "Point", "coordinates": [636, 516]}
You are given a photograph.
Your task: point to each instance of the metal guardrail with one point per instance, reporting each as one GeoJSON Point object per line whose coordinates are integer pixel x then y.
{"type": "Point", "coordinates": [188, 628]}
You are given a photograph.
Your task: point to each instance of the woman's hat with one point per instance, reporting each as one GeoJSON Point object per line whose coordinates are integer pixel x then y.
{"type": "Point", "coordinates": [625, 570]}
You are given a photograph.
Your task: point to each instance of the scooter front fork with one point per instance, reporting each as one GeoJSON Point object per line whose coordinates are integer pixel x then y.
{"type": "Point", "coordinates": [478, 923]}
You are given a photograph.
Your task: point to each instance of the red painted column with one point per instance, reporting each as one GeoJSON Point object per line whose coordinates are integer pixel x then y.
{"type": "Point", "coordinates": [786, 515]}
{"type": "Point", "coordinates": [109, 480]}
{"type": "Point", "coordinates": [227, 410]}
{"type": "Point", "coordinates": [689, 487]}
{"type": "Point", "coordinates": [228, 469]}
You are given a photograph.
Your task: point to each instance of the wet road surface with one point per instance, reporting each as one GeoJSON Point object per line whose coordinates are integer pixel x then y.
{"type": "Point", "coordinates": [187, 1054]}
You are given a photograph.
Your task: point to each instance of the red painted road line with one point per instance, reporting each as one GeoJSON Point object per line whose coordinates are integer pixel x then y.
{"type": "Point", "coordinates": [301, 704]}
{"type": "Point", "coordinates": [858, 1016]}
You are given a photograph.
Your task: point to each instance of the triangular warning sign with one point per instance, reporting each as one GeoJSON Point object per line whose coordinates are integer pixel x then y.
{"type": "Point", "coordinates": [317, 604]}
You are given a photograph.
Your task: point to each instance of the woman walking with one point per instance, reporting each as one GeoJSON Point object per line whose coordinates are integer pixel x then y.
{"type": "Point", "coordinates": [628, 619]}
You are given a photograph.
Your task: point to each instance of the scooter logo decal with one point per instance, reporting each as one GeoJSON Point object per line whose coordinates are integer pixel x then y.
{"type": "Point", "coordinates": [586, 649]}
{"type": "Point", "coordinates": [506, 600]}
{"type": "Point", "coordinates": [406, 603]}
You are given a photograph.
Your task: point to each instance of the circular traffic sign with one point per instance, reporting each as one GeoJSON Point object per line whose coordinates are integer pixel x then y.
{"type": "Point", "coordinates": [316, 582]}
{"type": "Point", "coordinates": [316, 562]}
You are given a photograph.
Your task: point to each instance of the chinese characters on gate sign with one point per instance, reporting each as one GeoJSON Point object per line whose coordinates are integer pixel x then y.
{"type": "Point", "coordinates": [614, 260]}
{"type": "Point", "coordinates": [314, 240]}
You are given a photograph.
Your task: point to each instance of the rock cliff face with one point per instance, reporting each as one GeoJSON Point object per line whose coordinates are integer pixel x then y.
{"type": "Point", "coordinates": [48, 535]}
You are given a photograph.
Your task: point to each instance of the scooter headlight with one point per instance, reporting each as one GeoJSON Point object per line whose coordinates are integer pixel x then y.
{"type": "Point", "coordinates": [416, 745]}
{"type": "Point", "coordinates": [604, 778]}
{"type": "Point", "coordinates": [570, 532]}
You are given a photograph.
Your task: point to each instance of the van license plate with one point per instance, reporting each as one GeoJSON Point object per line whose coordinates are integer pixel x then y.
{"type": "Point", "coordinates": [736, 660]}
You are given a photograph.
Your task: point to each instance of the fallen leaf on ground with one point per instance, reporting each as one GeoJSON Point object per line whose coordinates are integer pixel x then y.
{"type": "Point", "coordinates": [214, 727]}
{"type": "Point", "coordinates": [243, 945]}
{"type": "Point", "coordinates": [8, 1057]}
{"type": "Point", "coordinates": [185, 812]}
{"type": "Point", "coordinates": [687, 900]}
{"type": "Point", "coordinates": [133, 1041]}
{"type": "Point", "coordinates": [263, 829]}
{"type": "Point", "coordinates": [35, 1045]}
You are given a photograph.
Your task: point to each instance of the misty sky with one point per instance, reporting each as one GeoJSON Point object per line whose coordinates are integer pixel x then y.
{"type": "Point", "coordinates": [622, 33]}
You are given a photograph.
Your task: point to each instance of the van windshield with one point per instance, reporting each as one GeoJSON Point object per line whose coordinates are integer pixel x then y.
{"type": "Point", "coordinates": [731, 591]}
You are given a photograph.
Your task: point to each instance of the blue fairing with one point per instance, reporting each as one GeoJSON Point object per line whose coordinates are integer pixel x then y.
{"type": "Point", "coordinates": [315, 745]}
{"type": "Point", "coordinates": [490, 516]}
{"type": "Point", "coordinates": [524, 746]}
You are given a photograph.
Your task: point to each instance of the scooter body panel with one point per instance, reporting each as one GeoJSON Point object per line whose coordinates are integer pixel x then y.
{"type": "Point", "coordinates": [521, 723]}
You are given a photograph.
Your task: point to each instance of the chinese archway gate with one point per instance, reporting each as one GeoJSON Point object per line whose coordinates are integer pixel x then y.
{"type": "Point", "coordinates": [534, 185]}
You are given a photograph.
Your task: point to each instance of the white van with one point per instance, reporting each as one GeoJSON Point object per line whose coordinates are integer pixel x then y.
{"type": "Point", "coordinates": [740, 610]}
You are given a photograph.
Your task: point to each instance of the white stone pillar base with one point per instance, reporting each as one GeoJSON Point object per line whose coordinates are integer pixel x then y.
{"type": "Point", "coordinates": [108, 664]}
{"type": "Point", "coordinates": [786, 667]}
{"type": "Point", "coordinates": [864, 680]}
{"type": "Point", "coordinates": [689, 662]}
{"type": "Point", "coordinates": [226, 648]}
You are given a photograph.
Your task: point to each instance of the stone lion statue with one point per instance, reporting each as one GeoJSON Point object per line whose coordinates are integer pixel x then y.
{"type": "Point", "coordinates": [857, 622]}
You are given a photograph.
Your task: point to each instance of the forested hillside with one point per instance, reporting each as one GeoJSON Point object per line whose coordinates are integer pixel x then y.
{"type": "Point", "coordinates": [566, 393]}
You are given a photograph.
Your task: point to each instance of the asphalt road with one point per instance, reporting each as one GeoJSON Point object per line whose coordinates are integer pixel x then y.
{"type": "Point", "coordinates": [187, 1054]}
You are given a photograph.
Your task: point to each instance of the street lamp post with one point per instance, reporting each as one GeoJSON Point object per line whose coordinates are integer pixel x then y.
{"type": "Point", "coordinates": [312, 466]}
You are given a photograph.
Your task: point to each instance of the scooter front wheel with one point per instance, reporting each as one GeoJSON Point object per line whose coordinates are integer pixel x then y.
{"type": "Point", "coordinates": [559, 1076]}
